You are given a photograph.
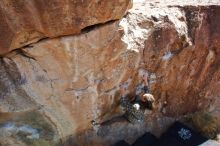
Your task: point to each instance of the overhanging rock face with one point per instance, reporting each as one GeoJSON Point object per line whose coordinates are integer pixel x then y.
{"type": "Point", "coordinates": [26, 21]}
{"type": "Point", "coordinates": [60, 86]}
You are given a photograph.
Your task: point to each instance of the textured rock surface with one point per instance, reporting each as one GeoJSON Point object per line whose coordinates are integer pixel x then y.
{"type": "Point", "coordinates": [26, 21]}
{"type": "Point", "coordinates": [186, 71]}
{"type": "Point", "coordinates": [69, 79]}
{"type": "Point", "coordinates": [60, 85]}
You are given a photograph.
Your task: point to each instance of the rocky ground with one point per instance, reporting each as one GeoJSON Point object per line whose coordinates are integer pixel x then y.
{"type": "Point", "coordinates": [51, 91]}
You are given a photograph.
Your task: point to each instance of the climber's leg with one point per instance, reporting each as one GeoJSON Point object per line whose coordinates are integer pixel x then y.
{"type": "Point", "coordinates": [134, 116]}
{"type": "Point", "coordinates": [146, 89]}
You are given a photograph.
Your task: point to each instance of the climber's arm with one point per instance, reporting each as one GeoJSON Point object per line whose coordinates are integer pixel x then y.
{"type": "Point", "coordinates": [146, 85]}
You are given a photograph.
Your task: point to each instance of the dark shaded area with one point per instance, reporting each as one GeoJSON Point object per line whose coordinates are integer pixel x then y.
{"type": "Point", "coordinates": [122, 143]}
{"type": "Point", "coordinates": [147, 139]}
{"type": "Point", "coordinates": [191, 14]}
{"type": "Point", "coordinates": [184, 135]}
{"type": "Point", "coordinates": [177, 135]}
{"type": "Point", "coordinates": [96, 26]}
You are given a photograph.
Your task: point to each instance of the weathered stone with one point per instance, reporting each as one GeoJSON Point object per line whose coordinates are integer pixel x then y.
{"type": "Point", "coordinates": [66, 74]}
{"type": "Point", "coordinates": [184, 70]}
{"type": "Point", "coordinates": [26, 21]}
{"type": "Point", "coordinates": [73, 81]}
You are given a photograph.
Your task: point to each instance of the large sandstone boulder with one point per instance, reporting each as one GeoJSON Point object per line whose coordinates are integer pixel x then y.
{"type": "Point", "coordinates": [70, 80]}
{"type": "Point", "coordinates": [26, 21]}
{"type": "Point", "coordinates": [187, 71]}
{"type": "Point", "coordinates": [59, 88]}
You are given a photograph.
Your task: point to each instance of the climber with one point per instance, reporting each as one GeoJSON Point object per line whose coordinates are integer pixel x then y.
{"type": "Point", "coordinates": [133, 113]}
{"type": "Point", "coordinates": [143, 96]}
{"type": "Point", "coordinates": [134, 108]}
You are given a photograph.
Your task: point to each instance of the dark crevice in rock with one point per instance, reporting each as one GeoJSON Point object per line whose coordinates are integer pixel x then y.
{"type": "Point", "coordinates": [95, 26]}
{"type": "Point", "coordinates": [84, 30]}
{"type": "Point", "coordinates": [192, 15]}
{"type": "Point", "coordinates": [21, 50]}
{"type": "Point", "coordinates": [25, 54]}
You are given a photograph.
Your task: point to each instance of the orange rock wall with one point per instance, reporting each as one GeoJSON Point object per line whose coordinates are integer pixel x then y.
{"type": "Point", "coordinates": [27, 21]}
{"type": "Point", "coordinates": [63, 84]}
